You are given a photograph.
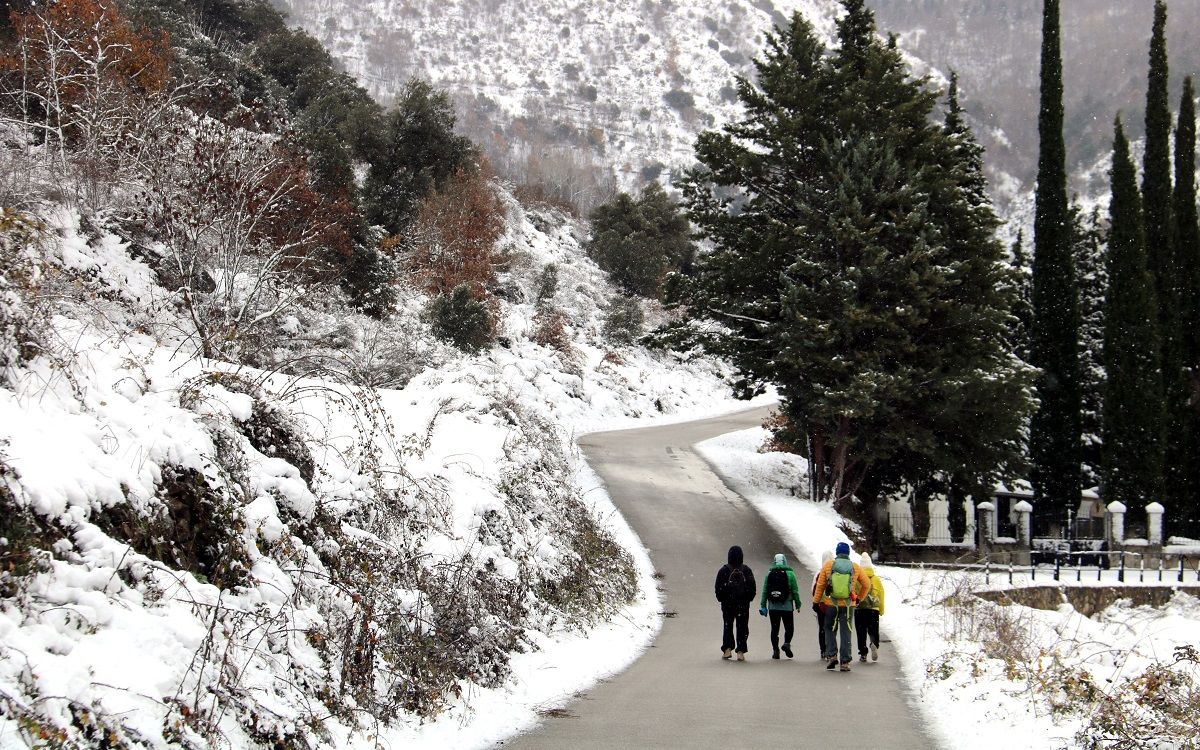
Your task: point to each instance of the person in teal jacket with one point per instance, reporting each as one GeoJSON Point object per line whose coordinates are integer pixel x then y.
{"type": "Point", "coordinates": [780, 599]}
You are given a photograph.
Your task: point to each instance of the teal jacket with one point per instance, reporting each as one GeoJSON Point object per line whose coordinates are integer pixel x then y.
{"type": "Point", "coordinates": [787, 604]}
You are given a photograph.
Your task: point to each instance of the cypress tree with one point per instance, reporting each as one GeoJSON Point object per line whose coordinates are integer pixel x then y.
{"type": "Point", "coordinates": [1187, 256]}
{"type": "Point", "coordinates": [1160, 256]}
{"type": "Point", "coordinates": [1022, 324]}
{"type": "Point", "coordinates": [1089, 248]}
{"type": "Point", "coordinates": [1055, 445]}
{"type": "Point", "coordinates": [1133, 391]}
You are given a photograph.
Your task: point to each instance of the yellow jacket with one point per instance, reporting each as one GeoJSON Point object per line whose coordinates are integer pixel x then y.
{"type": "Point", "coordinates": [862, 585]}
{"type": "Point", "coordinates": [876, 591]}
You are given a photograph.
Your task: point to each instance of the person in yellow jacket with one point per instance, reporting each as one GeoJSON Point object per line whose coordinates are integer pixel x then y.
{"type": "Point", "coordinates": [868, 612]}
{"type": "Point", "coordinates": [840, 584]}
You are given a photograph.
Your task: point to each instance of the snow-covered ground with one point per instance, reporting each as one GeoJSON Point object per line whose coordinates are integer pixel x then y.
{"type": "Point", "coordinates": [986, 676]}
{"type": "Point", "coordinates": [337, 513]}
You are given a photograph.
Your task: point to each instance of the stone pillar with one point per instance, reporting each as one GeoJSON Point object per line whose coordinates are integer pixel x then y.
{"type": "Point", "coordinates": [1116, 522]}
{"type": "Point", "coordinates": [901, 519]}
{"type": "Point", "coordinates": [969, 511]}
{"type": "Point", "coordinates": [1154, 524]}
{"type": "Point", "coordinates": [987, 523]}
{"type": "Point", "coordinates": [1023, 510]}
{"type": "Point", "coordinates": [939, 522]}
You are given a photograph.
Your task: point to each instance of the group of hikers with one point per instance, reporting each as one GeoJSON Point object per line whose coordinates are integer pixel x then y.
{"type": "Point", "coordinates": [847, 597]}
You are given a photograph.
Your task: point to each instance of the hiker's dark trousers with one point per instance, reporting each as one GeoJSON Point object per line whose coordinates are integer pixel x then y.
{"type": "Point", "coordinates": [789, 623]}
{"type": "Point", "coordinates": [739, 616]}
{"type": "Point", "coordinates": [820, 627]}
{"type": "Point", "coordinates": [866, 623]}
{"type": "Point", "coordinates": [837, 633]}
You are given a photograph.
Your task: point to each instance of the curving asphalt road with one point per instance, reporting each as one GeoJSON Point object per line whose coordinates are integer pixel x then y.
{"type": "Point", "coordinates": [681, 694]}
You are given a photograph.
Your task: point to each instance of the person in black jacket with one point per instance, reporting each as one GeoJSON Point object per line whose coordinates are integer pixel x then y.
{"type": "Point", "coordinates": [735, 590]}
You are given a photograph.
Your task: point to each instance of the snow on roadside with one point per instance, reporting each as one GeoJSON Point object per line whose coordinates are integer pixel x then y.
{"type": "Point", "coordinates": [984, 676]}
{"type": "Point", "coordinates": [91, 437]}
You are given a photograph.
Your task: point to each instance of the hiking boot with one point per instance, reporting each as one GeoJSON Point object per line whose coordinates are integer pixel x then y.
{"type": "Point", "coordinates": [832, 664]}
{"type": "Point", "coordinates": [787, 649]}
{"type": "Point", "coordinates": [845, 666]}
{"type": "Point", "coordinates": [874, 652]}
{"type": "Point", "coordinates": [775, 654]}
{"type": "Point", "coordinates": [727, 653]}
{"type": "Point", "coordinates": [741, 656]}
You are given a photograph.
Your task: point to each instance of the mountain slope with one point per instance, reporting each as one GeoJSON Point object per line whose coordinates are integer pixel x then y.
{"type": "Point", "coordinates": [554, 87]}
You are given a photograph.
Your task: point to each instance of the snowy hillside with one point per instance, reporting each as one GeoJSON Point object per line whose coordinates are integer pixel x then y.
{"type": "Point", "coordinates": [198, 553]}
{"type": "Point", "coordinates": [556, 85]}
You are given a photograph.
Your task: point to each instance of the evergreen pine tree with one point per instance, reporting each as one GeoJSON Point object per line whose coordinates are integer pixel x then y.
{"type": "Point", "coordinates": [639, 241]}
{"type": "Point", "coordinates": [1089, 248]}
{"type": "Point", "coordinates": [887, 332]}
{"type": "Point", "coordinates": [1133, 415]}
{"type": "Point", "coordinates": [1055, 445]}
{"type": "Point", "coordinates": [1160, 255]}
{"type": "Point", "coordinates": [1187, 256]}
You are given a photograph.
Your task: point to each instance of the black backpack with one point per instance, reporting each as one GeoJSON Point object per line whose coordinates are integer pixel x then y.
{"type": "Point", "coordinates": [779, 589]}
{"type": "Point", "coordinates": [735, 586]}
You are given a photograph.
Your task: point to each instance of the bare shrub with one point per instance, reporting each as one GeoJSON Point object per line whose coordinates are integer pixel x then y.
{"type": "Point", "coordinates": [1159, 708]}
{"type": "Point", "coordinates": [242, 233]}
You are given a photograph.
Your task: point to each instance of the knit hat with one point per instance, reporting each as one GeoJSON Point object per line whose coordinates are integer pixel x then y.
{"type": "Point", "coordinates": [866, 561]}
{"type": "Point", "coordinates": [780, 560]}
{"type": "Point", "coordinates": [842, 549]}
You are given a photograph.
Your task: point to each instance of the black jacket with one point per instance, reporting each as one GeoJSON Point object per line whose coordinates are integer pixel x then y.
{"type": "Point", "coordinates": [735, 561]}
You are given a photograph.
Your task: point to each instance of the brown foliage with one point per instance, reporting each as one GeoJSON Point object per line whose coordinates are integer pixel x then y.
{"type": "Point", "coordinates": [551, 330]}
{"type": "Point", "coordinates": [453, 239]}
{"type": "Point", "coordinates": [77, 63]}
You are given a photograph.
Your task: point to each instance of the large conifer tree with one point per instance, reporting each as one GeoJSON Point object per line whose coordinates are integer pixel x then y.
{"type": "Point", "coordinates": [1133, 391]}
{"type": "Point", "coordinates": [1089, 248]}
{"type": "Point", "coordinates": [1187, 256]}
{"type": "Point", "coordinates": [855, 266]}
{"type": "Point", "coordinates": [1055, 445]}
{"type": "Point", "coordinates": [1160, 256]}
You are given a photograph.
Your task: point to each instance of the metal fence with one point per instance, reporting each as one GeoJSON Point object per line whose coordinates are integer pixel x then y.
{"type": "Point", "coordinates": [1118, 567]}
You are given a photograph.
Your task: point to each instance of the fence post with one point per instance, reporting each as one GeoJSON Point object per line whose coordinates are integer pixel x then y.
{"type": "Point", "coordinates": [1010, 571]}
{"type": "Point", "coordinates": [1161, 563]}
{"type": "Point", "coordinates": [987, 571]}
{"type": "Point", "coordinates": [1057, 567]}
{"type": "Point", "coordinates": [1181, 568]}
{"type": "Point", "coordinates": [1141, 568]}
{"type": "Point", "coordinates": [1121, 572]}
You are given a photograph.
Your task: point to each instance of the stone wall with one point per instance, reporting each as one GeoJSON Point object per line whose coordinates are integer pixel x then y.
{"type": "Point", "coordinates": [1087, 600]}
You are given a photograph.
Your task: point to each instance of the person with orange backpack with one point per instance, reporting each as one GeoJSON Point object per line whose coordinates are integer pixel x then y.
{"type": "Point", "coordinates": [840, 584]}
{"type": "Point", "coordinates": [735, 590]}
{"type": "Point", "coordinates": [780, 598]}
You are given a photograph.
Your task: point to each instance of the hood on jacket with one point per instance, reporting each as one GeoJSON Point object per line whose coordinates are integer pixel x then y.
{"type": "Point", "coordinates": [735, 556]}
{"type": "Point", "coordinates": [780, 561]}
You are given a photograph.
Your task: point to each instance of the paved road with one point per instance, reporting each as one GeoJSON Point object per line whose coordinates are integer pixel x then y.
{"type": "Point", "coordinates": [681, 694]}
